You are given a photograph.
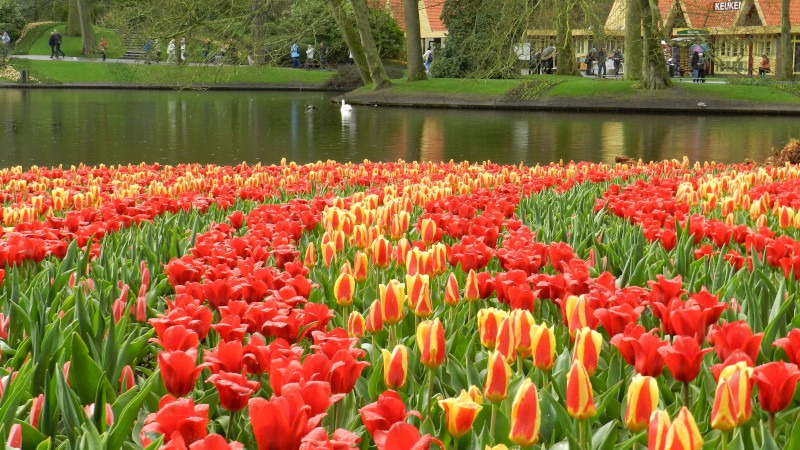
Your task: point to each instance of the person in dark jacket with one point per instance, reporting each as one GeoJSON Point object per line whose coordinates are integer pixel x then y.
{"type": "Point", "coordinates": [52, 43]}
{"type": "Point", "coordinates": [693, 64]}
{"type": "Point", "coordinates": [58, 45]}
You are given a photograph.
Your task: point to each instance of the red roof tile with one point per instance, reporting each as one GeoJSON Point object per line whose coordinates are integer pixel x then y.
{"type": "Point", "coordinates": [434, 9]}
{"type": "Point", "coordinates": [771, 9]}
{"type": "Point", "coordinates": [703, 14]}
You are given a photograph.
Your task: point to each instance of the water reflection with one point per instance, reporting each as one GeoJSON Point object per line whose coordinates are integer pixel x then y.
{"type": "Point", "coordinates": [51, 127]}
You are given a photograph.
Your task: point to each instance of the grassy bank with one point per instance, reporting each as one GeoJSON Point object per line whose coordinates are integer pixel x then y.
{"type": "Point", "coordinates": [56, 72]}
{"type": "Point", "coordinates": [71, 45]}
{"type": "Point", "coordinates": [583, 88]}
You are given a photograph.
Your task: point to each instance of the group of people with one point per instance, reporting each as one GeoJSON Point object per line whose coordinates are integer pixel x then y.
{"type": "Point", "coordinates": [310, 55]}
{"type": "Point", "coordinates": [601, 58]}
{"type": "Point", "coordinates": [55, 44]}
{"type": "Point", "coordinates": [698, 64]}
{"type": "Point", "coordinates": [172, 49]}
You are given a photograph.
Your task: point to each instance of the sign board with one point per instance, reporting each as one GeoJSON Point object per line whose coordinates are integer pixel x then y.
{"type": "Point", "coordinates": [727, 6]}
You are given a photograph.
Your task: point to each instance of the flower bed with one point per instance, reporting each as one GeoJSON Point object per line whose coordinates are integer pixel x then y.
{"type": "Point", "coordinates": [400, 305]}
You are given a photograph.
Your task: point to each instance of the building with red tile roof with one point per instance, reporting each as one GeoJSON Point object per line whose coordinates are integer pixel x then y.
{"type": "Point", "coordinates": [432, 28]}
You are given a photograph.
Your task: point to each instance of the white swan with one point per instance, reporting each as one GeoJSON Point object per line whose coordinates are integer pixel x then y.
{"type": "Point", "coordinates": [346, 107]}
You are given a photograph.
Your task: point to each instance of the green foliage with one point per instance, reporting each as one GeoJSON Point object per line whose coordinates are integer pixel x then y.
{"type": "Point", "coordinates": [792, 88]}
{"type": "Point", "coordinates": [481, 38]}
{"type": "Point", "coordinates": [33, 35]}
{"type": "Point", "coordinates": [11, 19]}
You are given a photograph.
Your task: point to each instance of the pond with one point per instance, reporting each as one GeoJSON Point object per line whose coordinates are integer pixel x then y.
{"type": "Point", "coordinates": [48, 127]}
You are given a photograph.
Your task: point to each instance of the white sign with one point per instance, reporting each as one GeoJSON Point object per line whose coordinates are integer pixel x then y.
{"type": "Point", "coordinates": [727, 6]}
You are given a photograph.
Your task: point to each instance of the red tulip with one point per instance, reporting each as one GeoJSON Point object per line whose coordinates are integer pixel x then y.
{"type": "Point", "coordinates": [317, 439]}
{"type": "Point", "coordinates": [227, 357]}
{"type": "Point", "coordinates": [234, 389]}
{"type": "Point", "coordinates": [176, 418]}
{"type": "Point", "coordinates": [15, 436]}
{"type": "Point", "coordinates": [404, 436]}
{"type": "Point", "coordinates": [388, 410]}
{"type": "Point", "coordinates": [776, 383]}
{"type": "Point", "coordinates": [790, 345]}
{"type": "Point", "coordinates": [237, 219]}
{"type": "Point", "coordinates": [280, 422]}
{"type": "Point", "coordinates": [683, 358]}
{"type": "Point", "coordinates": [215, 442]}
{"type": "Point", "coordinates": [735, 336]}
{"type": "Point", "coordinates": [176, 337]}
{"type": "Point", "coordinates": [126, 379]}
{"type": "Point", "coordinates": [179, 371]}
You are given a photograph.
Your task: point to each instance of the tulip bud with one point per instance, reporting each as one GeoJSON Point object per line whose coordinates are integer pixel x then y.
{"type": "Point", "coordinates": [472, 290]}
{"type": "Point", "coordinates": [395, 367]}
{"type": "Point", "coordinates": [488, 323]}
{"type": "Point", "coordinates": [393, 299]}
{"type": "Point", "coordinates": [310, 259]}
{"type": "Point", "coordinates": [343, 289]}
{"type": "Point", "coordinates": [36, 410]}
{"type": "Point", "coordinates": [374, 318]}
{"type": "Point", "coordinates": [579, 314]}
{"type": "Point", "coordinates": [497, 375]}
{"type": "Point", "coordinates": [360, 266]}
{"type": "Point", "coordinates": [427, 230]}
{"type": "Point", "coordinates": [451, 294]}
{"type": "Point", "coordinates": [356, 325]}
{"type": "Point", "coordinates": [439, 258]}
{"type": "Point", "coordinates": [381, 252]}
{"type": "Point", "coordinates": [460, 413]}
{"type": "Point", "coordinates": [683, 434]}
{"type": "Point", "coordinates": [430, 340]}
{"type": "Point", "coordinates": [580, 401]}
{"type": "Point", "coordinates": [587, 348]}
{"type": "Point", "coordinates": [359, 238]}
{"type": "Point", "coordinates": [506, 342]}
{"type": "Point", "coordinates": [15, 437]}
{"type": "Point", "coordinates": [328, 250]}
{"type": "Point", "coordinates": [475, 394]}
{"type": "Point", "coordinates": [402, 250]}
{"type": "Point", "coordinates": [521, 321]}
{"type": "Point", "coordinates": [642, 400]}
{"type": "Point", "coordinates": [543, 347]}
{"type": "Point", "coordinates": [657, 430]}
{"type": "Point", "coordinates": [126, 379]}
{"type": "Point", "coordinates": [723, 413]}
{"type": "Point", "coordinates": [526, 417]}
{"type": "Point", "coordinates": [419, 295]}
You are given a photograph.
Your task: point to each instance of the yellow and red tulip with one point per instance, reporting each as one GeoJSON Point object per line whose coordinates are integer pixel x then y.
{"type": "Point", "coordinates": [427, 230]}
{"type": "Point", "coordinates": [683, 433]}
{"type": "Point", "coordinates": [451, 294]}
{"type": "Point", "coordinates": [739, 378]}
{"type": "Point", "coordinates": [360, 266]}
{"type": "Point", "coordinates": [393, 300]}
{"type": "Point", "coordinates": [328, 250]}
{"type": "Point", "coordinates": [522, 320]}
{"type": "Point", "coordinates": [310, 259]}
{"type": "Point", "coordinates": [506, 343]}
{"type": "Point", "coordinates": [723, 413]}
{"type": "Point", "coordinates": [588, 343]}
{"type": "Point", "coordinates": [343, 289]}
{"type": "Point", "coordinates": [374, 319]}
{"type": "Point", "coordinates": [580, 400]}
{"type": "Point", "coordinates": [488, 324]}
{"type": "Point", "coordinates": [543, 346]}
{"type": "Point", "coordinates": [460, 413]}
{"type": "Point", "coordinates": [402, 250]}
{"type": "Point", "coordinates": [430, 340]}
{"type": "Point", "coordinates": [526, 417]}
{"type": "Point", "coordinates": [657, 430]}
{"type": "Point", "coordinates": [472, 290]}
{"type": "Point", "coordinates": [641, 401]}
{"type": "Point", "coordinates": [381, 252]}
{"type": "Point", "coordinates": [356, 325]}
{"type": "Point", "coordinates": [395, 367]}
{"type": "Point", "coordinates": [419, 294]}
{"type": "Point", "coordinates": [498, 373]}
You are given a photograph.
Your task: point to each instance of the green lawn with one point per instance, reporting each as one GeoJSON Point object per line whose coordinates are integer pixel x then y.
{"type": "Point", "coordinates": [71, 45]}
{"type": "Point", "coordinates": [450, 86]}
{"type": "Point", "coordinates": [92, 72]}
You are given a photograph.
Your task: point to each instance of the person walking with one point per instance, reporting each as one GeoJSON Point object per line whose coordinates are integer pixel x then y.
{"type": "Point", "coordinates": [58, 45]}
{"type": "Point", "coordinates": [171, 51]}
{"type": "Point", "coordinates": [310, 56]}
{"type": "Point", "coordinates": [589, 59]}
{"type": "Point", "coordinates": [103, 44]}
{"type": "Point", "coordinates": [701, 68]}
{"type": "Point", "coordinates": [601, 63]}
{"type": "Point", "coordinates": [427, 58]}
{"type": "Point", "coordinates": [295, 53]}
{"type": "Point", "coordinates": [764, 69]}
{"type": "Point", "coordinates": [52, 43]}
{"type": "Point", "coordinates": [693, 65]}
{"type": "Point", "coordinates": [617, 57]}
{"type": "Point", "coordinates": [5, 42]}
{"type": "Point", "coordinates": [183, 51]}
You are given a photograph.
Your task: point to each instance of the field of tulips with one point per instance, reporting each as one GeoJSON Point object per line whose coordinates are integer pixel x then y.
{"type": "Point", "coordinates": [400, 306]}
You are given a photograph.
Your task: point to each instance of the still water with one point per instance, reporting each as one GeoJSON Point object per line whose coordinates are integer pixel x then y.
{"type": "Point", "coordinates": [50, 127]}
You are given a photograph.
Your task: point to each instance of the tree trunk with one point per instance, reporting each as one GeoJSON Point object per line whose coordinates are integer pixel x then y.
{"type": "Point", "coordinates": [88, 44]}
{"type": "Point", "coordinates": [654, 66]}
{"type": "Point", "coordinates": [259, 55]}
{"type": "Point", "coordinates": [785, 68]}
{"type": "Point", "coordinates": [416, 70]}
{"type": "Point", "coordinates": [633, 40]}
{"type": "Point", "coordinates": [376, 71]}
{"type": "Point", "coordinates": [350, 36]}
{"type": "Point", "coordinates": [73, 20]}
{"type": "Point", "coordinates": [565, 42]}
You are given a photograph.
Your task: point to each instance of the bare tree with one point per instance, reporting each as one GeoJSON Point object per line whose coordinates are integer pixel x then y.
{"type": "Point", "coordinates": [565, 42]}
{"type": "Point", "coordinates": [416, 70]}
{"type": "Point", "coordinates": [654, 67]}
{"type": "Point", "coordinates": [785, 70]}
{"type": "Point", "coordinates": [633, 40]}
{"type": "Point", "coordinates": [376, 70]}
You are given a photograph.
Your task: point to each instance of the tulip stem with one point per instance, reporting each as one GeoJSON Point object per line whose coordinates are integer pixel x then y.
{"type": "Point", "coordinates": [428, 406]}
{"type": "Point", "coordinates": [392, 336]}
{"type": "Point", "coordinates": [686, 394]}
{"type": "Point", "coordinates": [771, 423]}
{"type": "Point", "coordinates": [724, 441]}
{"type": "Point", "coordinates": [519, 365]}
{"type": "Point", "coordinates": [229, 431]}
{"type": "Point", "coordinates": [493, 421]}
{"type": "Point", "coordinates": [582, 434]}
